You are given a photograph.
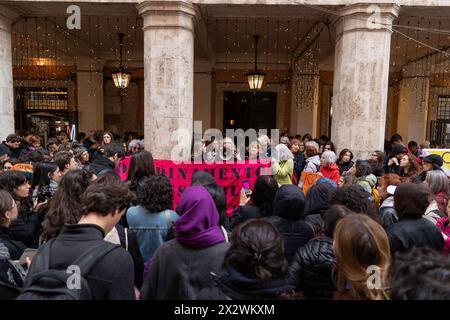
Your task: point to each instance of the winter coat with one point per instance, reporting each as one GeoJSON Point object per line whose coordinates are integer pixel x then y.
{"type": "Point", "coordinates": [283, 171]}
{"type": "Point", "coordinates": [288, 209]}
{"type": "Point", "coordinates": [312, 268]}
{"type": "Point", "coordinates": [102, 165]}
{"type": "Point", "coordinates": [411, 232]}
{"type": "Point", "coordinates": [343, 167]}
{"type": "Point", "coordinates": [331, 172]}
{"type": "Point", "coordinates": [12, 153]}
{"type": "Point", "coordinates": [299, 164]}
{"type": "Point", "coordinates": [12, 275]}
{"type": "Point", "coordinates": [444, 225]}
{"type": "Point", "coordinates": [15, 246]}
{"type": "Point", "coordinates": [433, 213]}
{"type": "Point", "coordinates": [388, 215]}
{"type": "Point", "coordinates": [244, 213]}
{"type": "Point", "coordinates": [367, 182]}
{"type": "Point", "coordinates": [312, 164]}
{"type": "Point", "coordinates": [233, 285]}
{"type": "Point", "coordinates": [112, 276]}
{"type": "Point", "coordinates": [179, 272]}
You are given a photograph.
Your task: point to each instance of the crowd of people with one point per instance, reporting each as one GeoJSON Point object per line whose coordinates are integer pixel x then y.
{"type": "Point", "coordinates": [368, 229]}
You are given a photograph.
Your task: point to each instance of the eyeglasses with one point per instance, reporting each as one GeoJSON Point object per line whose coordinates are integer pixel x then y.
{"type": "Point", "coordinates": [7, 168]}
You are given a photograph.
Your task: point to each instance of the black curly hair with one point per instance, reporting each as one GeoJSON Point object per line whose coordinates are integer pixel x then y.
{"type": "Point", "coordinates": [363, 168]}
{"type": "Point", "coordinates": [155, 193]}
{"type": "Point", "coordinates": [355, 199]}
{"type": "Point", "coordinates": [420, 274]}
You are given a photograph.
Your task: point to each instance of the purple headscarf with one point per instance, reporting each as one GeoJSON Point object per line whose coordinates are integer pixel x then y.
{"type": "Point", "coordinates": [198, 225]}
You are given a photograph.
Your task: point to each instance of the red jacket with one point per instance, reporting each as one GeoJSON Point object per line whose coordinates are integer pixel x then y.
{"type": "Point", "coordinates": [331, 172]}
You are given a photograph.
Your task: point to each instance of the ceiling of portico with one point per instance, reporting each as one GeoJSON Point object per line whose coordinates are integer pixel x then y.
{"type": "Point", "coordinates": [223, 33]}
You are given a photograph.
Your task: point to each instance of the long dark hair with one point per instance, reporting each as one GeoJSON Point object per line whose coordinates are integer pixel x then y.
{"type": "Point", "coordinates": [141, 166]}
{"type": "Point", "coordinates": [41, 174]}
{"type": "Point", "coordinates": [65, 206]}
{"type": "Point", "coordinates": [11, 180]}
{"type": "Point", "coordinates": [264, 193]}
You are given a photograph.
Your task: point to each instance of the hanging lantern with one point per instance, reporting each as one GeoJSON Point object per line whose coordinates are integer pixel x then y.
{"type": "Point", "coordinates": [121, 76]}
{"type": "Point", "coordinates": [255, 78]}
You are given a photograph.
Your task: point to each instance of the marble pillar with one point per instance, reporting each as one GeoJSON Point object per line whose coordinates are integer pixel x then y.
{"type": "Point", "coordinates": [361, 77]}
{"type": "Point", "coordinates": [305, 97]}
{"type": "Point", "coordinates": [413, 103]}
{"type": "Point", "coordinates": [90, 94]}
{"type": "Point", "coordinates": [6, 75]}
{"type": "Point", "coordinates": [168, 77]}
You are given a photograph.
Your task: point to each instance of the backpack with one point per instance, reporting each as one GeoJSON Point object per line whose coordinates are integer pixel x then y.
{"type": "Point", "coordinates": [376, 197]}
{"type": "Point", "coordinates": [56, 284]}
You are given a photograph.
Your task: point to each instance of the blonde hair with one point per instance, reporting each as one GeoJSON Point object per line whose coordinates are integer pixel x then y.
{"type": "Point", "coordinates": [360, 242]}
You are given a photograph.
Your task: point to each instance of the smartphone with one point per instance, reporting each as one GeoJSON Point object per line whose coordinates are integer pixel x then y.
{"type": "Point", "coordinates": [28, 253]}
{"type": "Point", "coordinates": [246, 187]}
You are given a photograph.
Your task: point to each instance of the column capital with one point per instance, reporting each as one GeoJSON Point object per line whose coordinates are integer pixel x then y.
{"type": "Point", "coordinates": [367, 17]}
{"type": "Point", "coordinates": [167, 14]}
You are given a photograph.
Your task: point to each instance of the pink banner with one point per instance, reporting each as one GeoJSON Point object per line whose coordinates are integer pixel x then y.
{"type": "Point", "coordinates": [228, 176]}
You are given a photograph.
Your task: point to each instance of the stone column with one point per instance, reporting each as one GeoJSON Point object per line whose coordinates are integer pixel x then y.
{"type": "Point", "coordinates": [361, 77]}
{"type": "Point", "coordinates": [168, 77]}
{"type": "Point", "coordinates": [305, 94]}
{"type": "Point", "coordinates": [413, 103]}
{"type": "Point", "coordinates": [90, 94]}
{"type": "Point", "coordinates": [6, 75]}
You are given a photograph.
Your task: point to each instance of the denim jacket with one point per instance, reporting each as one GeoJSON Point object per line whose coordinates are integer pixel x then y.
{"type": "Point", "coordinates": [150, 228]}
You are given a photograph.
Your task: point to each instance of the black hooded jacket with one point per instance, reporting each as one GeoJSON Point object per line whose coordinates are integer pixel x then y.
{"type": "Point", "coordinates": [288, 208]}
{"type": "Point", "coordinates": [233, 285]}
{"type": "Point", "coordinates": [317, 202]}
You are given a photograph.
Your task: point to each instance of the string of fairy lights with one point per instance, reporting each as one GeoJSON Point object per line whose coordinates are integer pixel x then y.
{"type": "Point", "coordinates": [45, 53]}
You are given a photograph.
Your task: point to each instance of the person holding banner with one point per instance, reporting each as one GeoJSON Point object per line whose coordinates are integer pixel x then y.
{"type": "Point", "coordinates": [283, 165]}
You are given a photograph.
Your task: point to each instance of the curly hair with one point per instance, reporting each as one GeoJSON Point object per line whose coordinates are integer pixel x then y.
{"type": "Point", "coordinates": [355, 199]}
{"type": "Point", "coordinates": [155, 193]}
{"type": "Point", "coordinates": [264, 193]}
{"type": "Point", "coordinates": [65, 206]}
{"type": "Point", "coordinates": [363, 168]}
{"type": "Point", "coordinates": [257, 251]}
{"type": "Point", "coordinates": [420, 274]}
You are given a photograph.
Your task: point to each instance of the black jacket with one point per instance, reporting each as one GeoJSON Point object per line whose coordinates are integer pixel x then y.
{"type": "Point", "coordinates": [110, 279]}
{"type": "Point", "coordinates": [233, 285]}
{"type": "Point", "coordinates": [344, 166]}
{"type": "Point", "coordinates": [411, 232]}
{"type": "Point", "coordinates": [15, 247]}
{"type": "Point", "coordinates": [316, 203]}
{"type": "Point", "coordinates": [288, 209]}
{"type": "Point", "coordinates": [299, 164]}
{"type": "Point", "coordinates": [102, 165]}
{"type": "Point", "coordinates": [312, 268]}
{"type": "Point", "coordinates": [27, 228]}
{"type": "Point", "coordinates": [243, 213]}
{"type": "Point", "coordinates": [12, 153]}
